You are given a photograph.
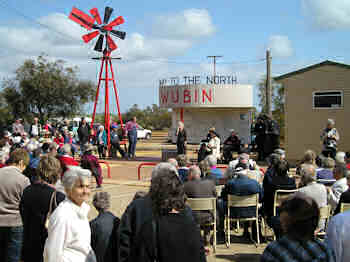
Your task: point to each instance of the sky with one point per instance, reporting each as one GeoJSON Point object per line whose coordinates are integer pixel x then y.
{"type": "Point", "coordinates": [174, 38]}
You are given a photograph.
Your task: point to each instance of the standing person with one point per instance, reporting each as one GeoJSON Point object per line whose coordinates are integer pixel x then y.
{"type": "Point", "coordinates": [17, 128]}
{"type": "Point", "coordinates": [69, 234]}
{"type": "Point", "coordinates": [13, 182]}
{"type": "Point", "coordinates": [35, 206]}
{"type": "Point", "coordinates": [231, 144]}
{"type": "Point", "coordinates": [181, 139]}
{"type": "Point", "coordinates": [273, 131]}
{"type": "Point", "coordinates": [101, 141]}
{"type": "Point", "coordinates": [137, 214]}
{"type": "Point", "coordinates": [131, 128]}
{"type": "Point", "coordinates": [260, 131]}
{"type": "Point", "coordinates": [35, 128]}
{"type": "Point", "coordinates": [330, 137]}
{"type": "Point", "coordinates": [83, 134]}
{"type": "Point", "coordinates": [115, 143]}
{"type": "Point", "coordinates": [103, 229]}
{"type": "Point", "coordinates": [168, 203]}
{"type": "Point", "coordinates": [89, 161]}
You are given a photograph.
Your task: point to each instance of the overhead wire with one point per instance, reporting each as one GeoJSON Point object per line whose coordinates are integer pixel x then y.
{"type": "Point", "coordinates": [160, 60]}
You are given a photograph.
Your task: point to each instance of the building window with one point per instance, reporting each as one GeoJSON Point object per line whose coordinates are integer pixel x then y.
{"type": "Point", "coordinates": [328, 99]}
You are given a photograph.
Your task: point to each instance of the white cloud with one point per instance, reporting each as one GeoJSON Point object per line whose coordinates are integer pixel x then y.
{"type": "Point", "coordinates": [188, 24]}
{"type": "Point", "coordinates": [280, 46]}
{"type": "Point", "coordinates": [327, 14]}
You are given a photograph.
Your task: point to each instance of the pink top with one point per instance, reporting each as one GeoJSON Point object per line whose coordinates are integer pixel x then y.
{"type": "Point", "coordinates": [130, 125]}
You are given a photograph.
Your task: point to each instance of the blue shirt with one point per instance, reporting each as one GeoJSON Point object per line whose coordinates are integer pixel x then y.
{"type": "Point", "coordinates": [241, 186]}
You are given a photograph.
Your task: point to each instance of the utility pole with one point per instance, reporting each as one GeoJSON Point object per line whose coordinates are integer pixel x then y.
{"type": "Point", "coordinates": [268, 83]}
{"type": "Point", "coordinates": [214, 62]}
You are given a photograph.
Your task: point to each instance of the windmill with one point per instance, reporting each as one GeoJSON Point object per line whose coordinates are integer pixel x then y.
{"type": "Point", "coordinates": [104, 44]}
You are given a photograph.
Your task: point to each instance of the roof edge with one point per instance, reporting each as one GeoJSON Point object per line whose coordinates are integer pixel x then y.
{"type": "Point", "coordinates": [308, 68]}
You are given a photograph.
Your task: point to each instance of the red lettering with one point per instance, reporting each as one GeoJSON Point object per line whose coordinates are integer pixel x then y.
{"type": "Point", "coordinates": [173, 99]}
{"type": "Point", "coordinates": [164, 97]}
{"type": "Point", "coordinates": [196, 95]}
{"type": "Point", "coordinates": [205, 95]}
{"type": "Point", "coordinates": [187, 96]}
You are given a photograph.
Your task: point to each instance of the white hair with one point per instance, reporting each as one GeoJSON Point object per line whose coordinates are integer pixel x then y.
{"type": "Point", "coordinates": [212, 160]}
{"type": "Point", "coordinates": [161, 167]}
{"type": "Point", "coordinates": [66, 149]}
{"type": "Point", "coordinates": [31, 147]}
{"type": "Point", "coordinates": [180, 124]}
{"type": "Point", "coordinates": [331, 121]}
{"type": "Point", "coordinates": [72, 174]}
{"type": "Point", "coordinates": [340, 157]}
{"type": "Point", "coordinates": [173, 162]}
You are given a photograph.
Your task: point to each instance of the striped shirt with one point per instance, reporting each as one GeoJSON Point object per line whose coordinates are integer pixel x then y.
{"type": "Point", "coordinates": [287, 249]}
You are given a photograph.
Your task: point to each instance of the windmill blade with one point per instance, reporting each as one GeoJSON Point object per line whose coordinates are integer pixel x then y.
{"type": "Point", "coordinates": [119, 34]}
{"type": "Point", "coordinates": [108, 12]}
{"type": "Point", "coordinates": [81, 18]}
{"type": "Point", "coordinates": [99, 44]}
{"type": "Point", "coordinates": [88, 37]}
{"type": "Point", "coordinates": [118, 21]}
{"type": "Point", "coordinates": [94, 12]}
{"type": "Point", "coordinates": [110, 43]}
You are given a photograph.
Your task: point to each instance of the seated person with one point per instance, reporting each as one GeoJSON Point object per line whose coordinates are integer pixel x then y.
{"type": "Point", "coordinates": [197, 188]}
{"type": "Point", "coordinates": [231, 144]}
{"type": "Point", "coordinates": [214, 145]}
{"type": "Point", "coordinates": [345, 197]}
{"type": "Point", "coordinates": [239, 184]}
{"type": "Point", "coordinates": [326, 171]}
{"type": "Point", "coordinates": [271, 183]}
{"type": "Point", "coordinates": [212, 129]}
{"type": "Point", "coordinates": [182, 169]}
{"type": "Point", "coordinates": [272, 161]}
{"type": "Point", "coordinates": [339, 187]}
{"type": "Point", "coordinates": [243, 158]}
{"type": "Point", "coordinates": [299, 219]}
{"type": "Point", "coordinates": [311, 188]}
{"type": "Point", "coordinates": [214, 173]}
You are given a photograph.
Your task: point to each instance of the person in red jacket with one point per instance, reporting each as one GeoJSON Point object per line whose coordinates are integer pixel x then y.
{"type": "Point", "coordinates": [66, 159]}
{"type": "Point", "coordinates": [59, 139]}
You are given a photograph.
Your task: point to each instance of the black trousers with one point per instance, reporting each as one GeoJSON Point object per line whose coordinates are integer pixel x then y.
{"type": "Point", "coordinates": [114, 148]}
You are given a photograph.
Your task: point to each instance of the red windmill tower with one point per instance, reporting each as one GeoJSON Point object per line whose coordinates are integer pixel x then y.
{"type": "Point", "coordinates": [106, 45]}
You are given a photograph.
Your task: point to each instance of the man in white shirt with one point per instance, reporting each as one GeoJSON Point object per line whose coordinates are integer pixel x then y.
{"type": "Point", "coordinates": [338, 237]}
{"type": "Point", "coordinates": [339, 187]}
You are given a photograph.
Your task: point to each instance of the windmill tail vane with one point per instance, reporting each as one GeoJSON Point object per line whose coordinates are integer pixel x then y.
{"type": "Point", "coordinates": [103, 29]}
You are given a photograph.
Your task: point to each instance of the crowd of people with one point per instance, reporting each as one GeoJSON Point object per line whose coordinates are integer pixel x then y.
{"type": "Point", "coordinates": [44, 193]}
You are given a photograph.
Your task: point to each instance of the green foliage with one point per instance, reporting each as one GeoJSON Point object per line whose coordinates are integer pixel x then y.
{"type": "Point", "coordinates": [46, 89]}
{"type": "Point", "coordinates": [152, 117]}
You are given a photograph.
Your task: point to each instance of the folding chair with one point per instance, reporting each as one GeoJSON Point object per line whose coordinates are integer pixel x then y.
{"type": "Point", "coordinates": [205, 204]}
{"type": "Point", "coordinates": [219, 190]}
{"type": "Point", "coordinates": [325, 213]}
{"type": "Point", "coordinates": [344, 207]}
{"type": "Point", "coordinates": [280, 196]}
{"type": "Point", "coordinates": [241, 201]}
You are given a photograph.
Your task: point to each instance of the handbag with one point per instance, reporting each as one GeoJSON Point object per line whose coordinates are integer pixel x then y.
{"type": "Point", "coordinates": [155, 242]}
{"type": "Point", "coordinates": [52, 201]}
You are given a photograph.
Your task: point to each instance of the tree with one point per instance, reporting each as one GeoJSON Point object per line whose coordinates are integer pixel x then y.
{"type": "Point", "coordinates": [46, 89]}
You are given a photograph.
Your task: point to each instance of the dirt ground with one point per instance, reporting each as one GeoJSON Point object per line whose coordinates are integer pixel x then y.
{"type": "Point", "coordinates": [124, 183]}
